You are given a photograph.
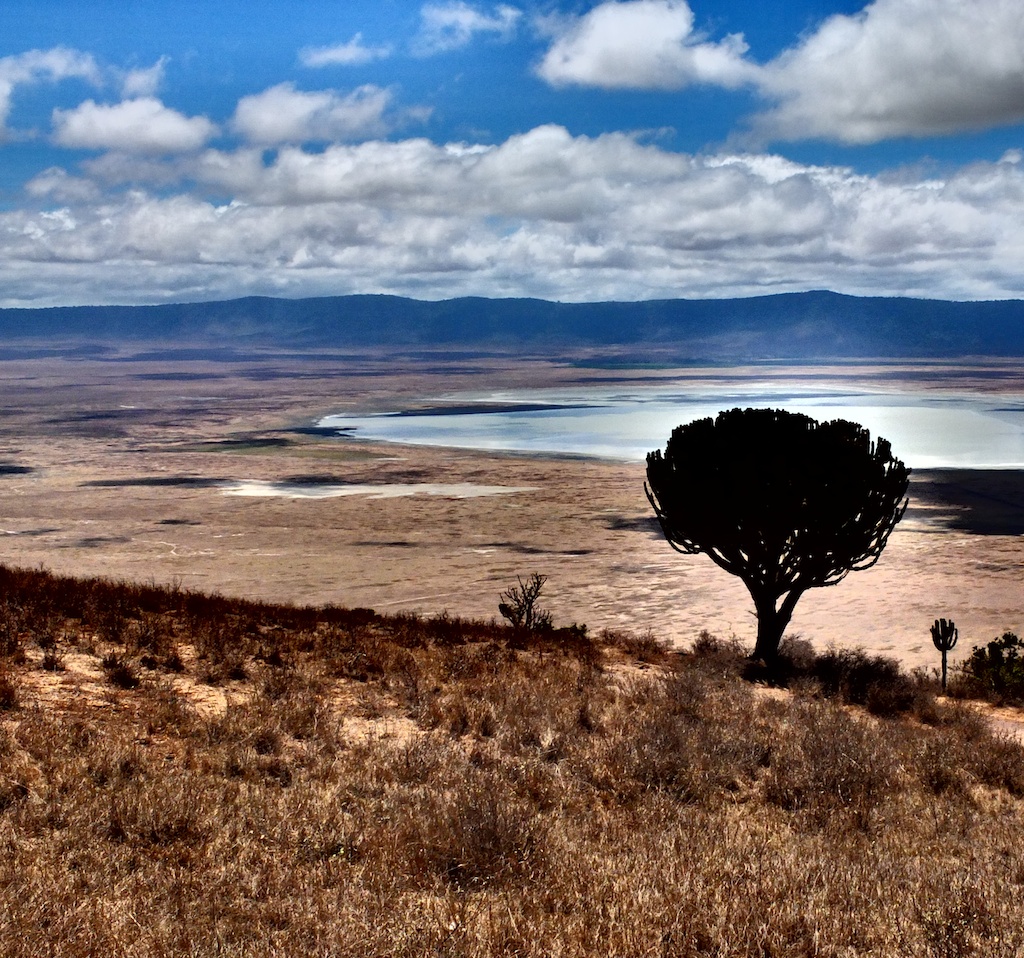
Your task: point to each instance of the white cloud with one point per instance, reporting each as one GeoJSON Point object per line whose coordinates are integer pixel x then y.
{"type": "Point", "coordinates": [60, 186]}
{"type": "Point", "coordinates": [283, 114]}
{"type": "Point", "coordinates": [144, 81]}
{"type": "Point", "coordinates": [901, 68]}
{"type": "Point", "coordinates": [35, 66]}
{"type": "Point", "coordinates": [642, 44]}
{"type": "Point", "coordinates": [448, 26]}
{"type": "Point", "coordinates": [543, 214]}
{"type": "Point", "coordinates": [142, 125]}
{"type": "Point", "coordinates": [352, 53]}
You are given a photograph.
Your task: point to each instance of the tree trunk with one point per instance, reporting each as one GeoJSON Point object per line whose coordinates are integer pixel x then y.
{"type": "Point", "coordinates": [771, 624]}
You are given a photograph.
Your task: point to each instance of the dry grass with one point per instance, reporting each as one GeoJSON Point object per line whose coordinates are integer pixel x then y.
{"type": "Point", "coordinates": [281, 781]}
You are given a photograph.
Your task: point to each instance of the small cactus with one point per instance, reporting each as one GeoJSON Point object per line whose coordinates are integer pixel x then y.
{"type": "Point", "coordinates": [944, 635]}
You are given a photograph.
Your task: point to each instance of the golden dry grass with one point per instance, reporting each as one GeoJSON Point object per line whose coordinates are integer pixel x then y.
{"type": "Point", "coordinates": [184, 774]}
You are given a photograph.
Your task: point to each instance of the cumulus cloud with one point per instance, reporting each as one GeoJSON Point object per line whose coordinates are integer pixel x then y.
{"type": "Point", "coordinates": [58, 185]}
{"type": "Point", "coordinates": [544, 213]}
{"type": "Point", "coordinates": [283, 114]}
{"type": "Point", "coordinates": [448, 26]}
{"type": "Point", "coordinates": [352, 53]}
{"type": "Point", "coordinates": [36, 66]}
{"type": "Point", "coordinates": [901, 68]}
{"type": "Point", "coordinates": [143, 81]}
{"type": "Point", "coordinates": [642, 44]}
{"type": "Point", "coordinates": [140, 125]}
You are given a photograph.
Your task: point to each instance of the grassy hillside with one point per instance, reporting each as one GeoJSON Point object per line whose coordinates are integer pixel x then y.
{"type": "Point", "coordinates": [183, 774]}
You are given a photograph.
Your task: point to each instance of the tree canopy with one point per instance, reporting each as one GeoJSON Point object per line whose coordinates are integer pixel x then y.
{"type": "Point", "coordinates": [779, 499]}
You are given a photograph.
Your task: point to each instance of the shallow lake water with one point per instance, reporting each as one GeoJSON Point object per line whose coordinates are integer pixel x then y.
{"type": "Point", "coordinates": [927, 429]}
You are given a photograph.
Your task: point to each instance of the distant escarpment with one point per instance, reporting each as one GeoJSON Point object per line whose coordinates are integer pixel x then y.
{"type": "Point", "coordinates": [798, 326]}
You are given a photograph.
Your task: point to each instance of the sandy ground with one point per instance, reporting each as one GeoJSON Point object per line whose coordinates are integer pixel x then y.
{"type": "Point", "coordinates": [168, 468]}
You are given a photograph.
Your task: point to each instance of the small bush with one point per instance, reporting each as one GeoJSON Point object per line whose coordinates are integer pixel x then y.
{"type": "Point", "coordinates": [829, 761]}
{"type": "Point", "coordinates": [8, 692]}
{"type": "Point", "coordinates": [471, 836]}
{"type": "Point", "coordinates": [996, 671]}
{"type": "Point", "coordinates": [519, 605]}
{"type": "Point", "coordinates": [120, 671]}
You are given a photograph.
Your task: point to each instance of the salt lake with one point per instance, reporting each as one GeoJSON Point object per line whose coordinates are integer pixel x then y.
{"type": "Point", "coordinates": [928, 429]}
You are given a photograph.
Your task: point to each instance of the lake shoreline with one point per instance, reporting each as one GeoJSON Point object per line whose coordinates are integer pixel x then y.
{"type": "Point", "coordinates": [954, 422]}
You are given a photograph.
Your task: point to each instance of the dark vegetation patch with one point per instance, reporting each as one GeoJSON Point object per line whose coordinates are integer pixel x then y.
{"type": "Point", "coordinates": [94, 542]}
{"type": "Point", "coordinates": [391, 477]}
{"type": "Point", "coordinates": [484, 408]}
{"type": "Point", "coordinates": [317, 431]}
{"type": "Point", "coordinates": [187, 377]}
{"type": "Point", "coordinates": [994, 672]}
{"type": "Point", "coordinates": [247, 444]}
{"type": "Point", "coordinates": [96, 415]}
{"type": "Point", "coordinates": [316, 479]}
{"type": "Point", "coordinates": [194, 482]}
{"type": "Point", "coordinates": [179, 522]}
{"type": "Point", "coordinates": [527, 550]}
{"type": "Point", "coordinates": [645, 523]}
{"type": "Point", "coordinates": [13, 469]}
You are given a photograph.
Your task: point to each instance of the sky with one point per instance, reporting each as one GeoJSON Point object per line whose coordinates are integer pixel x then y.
{"type": "Point", "coordinates": [576, 151]}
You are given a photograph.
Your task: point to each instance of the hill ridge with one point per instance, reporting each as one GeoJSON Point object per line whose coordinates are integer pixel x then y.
{"type": "Point", "coordinates": [809, 325]}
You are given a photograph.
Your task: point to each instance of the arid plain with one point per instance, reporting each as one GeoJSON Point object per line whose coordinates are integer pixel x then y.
{"type": "Point", "coordinates": [161, 466]}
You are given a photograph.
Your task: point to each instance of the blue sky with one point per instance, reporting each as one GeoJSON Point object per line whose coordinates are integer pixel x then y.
{"type": "Point", "coordinates": [633, 149]}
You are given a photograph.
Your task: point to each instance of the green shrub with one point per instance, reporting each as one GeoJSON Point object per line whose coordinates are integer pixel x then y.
{"type": "Point", "coordinates": [997, 670]}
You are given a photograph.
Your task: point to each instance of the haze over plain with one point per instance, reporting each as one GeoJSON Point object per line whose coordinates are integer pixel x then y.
{"type": "Point", "coordinates": [571, 151]}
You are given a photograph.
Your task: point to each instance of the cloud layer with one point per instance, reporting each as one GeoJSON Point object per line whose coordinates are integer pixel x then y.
{"type": "Point", "coordinates": [284, 114]}
{"type": "Point", "coordinates": [351, 53]}
{"type": "Point", "coordinates": [448, 26]}
{"type": "Point", "coordinates": [901, 68]}
{"type": "Point", "coordinates": [37, 66]}
{"type": "Point", "coordinates": [544, 213]}
{"type": "Point", "coordinates": [642, 44]}
{"type": "Point", "coordinates": [302, 192]}
{"type": "Point", "coordinates": [140, 125]}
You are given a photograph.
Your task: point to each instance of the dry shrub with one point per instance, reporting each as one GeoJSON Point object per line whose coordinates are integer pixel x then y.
{"type": "Point", "coordinates": [470, 834]}
{"type": "Point", "coordinates": [12, 629]}
{"type": "Point", "coordinates": [940, 771]}
{"type": "Point", "coordinates": [8, 690]}
{"type": "Point", "coordinates": [722, 656]}
{"type": "Point", "coordinates": [830, 761]}
{"type": "Point", "coordinates": [538, 707]}
{"type": "Point", "coordinates": [998, 761]}
{"type": "Point", "coordinates": [18, 774]}
{"type": "Point", "coordinates": [873, 681]}
{"type": "Point", "coordinates": [120, 671]}
{"type": "Point", "coordinates": [149, 815]}
{"type": "Point", "coordinates": [644, 646]}
{"type": "Point", "coordinates": [957, 920]}
{"type": "Point", "coordinates": [677, 735]}
{"type": "Point", "coordinates": [969, 746]}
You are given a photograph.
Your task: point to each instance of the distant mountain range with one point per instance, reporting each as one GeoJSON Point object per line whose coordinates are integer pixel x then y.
{"type": "Point", "coordinates": [813, 325]}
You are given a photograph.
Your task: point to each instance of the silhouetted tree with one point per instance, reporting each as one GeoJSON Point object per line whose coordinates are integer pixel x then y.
{"type": "Point", "coordinates": [782, 501]}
